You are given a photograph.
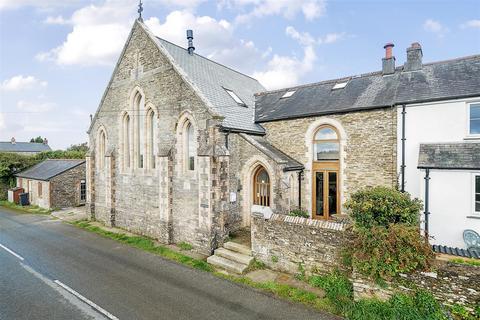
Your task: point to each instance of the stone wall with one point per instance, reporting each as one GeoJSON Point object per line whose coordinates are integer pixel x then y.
{"type": "Point", "coordinates": [450, 283]}
{"type": "Point", "coordinates": [285, 242]}
{"type": "Point", "coordinates": [368, 147]}
{"type": "Point", "coordinates": [65, 188]}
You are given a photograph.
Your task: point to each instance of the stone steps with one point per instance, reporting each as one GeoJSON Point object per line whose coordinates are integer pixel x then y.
{"type": "Point", "coordinates": [232, 257]}
{"type": "Point", "coordinates": [237, 248]}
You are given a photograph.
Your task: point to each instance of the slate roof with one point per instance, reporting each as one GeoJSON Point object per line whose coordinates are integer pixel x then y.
{"type": "Point", "coordinates": [276, 155]}
{"type": "Point", "coordinates": [212, 78]}
{"type": "Point", "coordinates": [449, 156]}
{"type": "Point", "coordinates": [49, 168]}
{"type": "Point", "coordinates": [466, 253]}
{"type": "Point", "coordinates": [23, 147]}
{"type": "Point", "coordinates": [435, 81]}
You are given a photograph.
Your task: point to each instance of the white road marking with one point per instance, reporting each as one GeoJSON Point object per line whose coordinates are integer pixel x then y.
{"type": "Point", "coordinates": [11, 252]}
{"type": "Point", "coordinates": [90, 303]}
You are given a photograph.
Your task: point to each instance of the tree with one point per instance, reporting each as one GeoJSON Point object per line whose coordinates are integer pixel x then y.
{"type": "Point", "coordinates": [81, 147]}
{"type": "Point", "coordinates": [38, 139]}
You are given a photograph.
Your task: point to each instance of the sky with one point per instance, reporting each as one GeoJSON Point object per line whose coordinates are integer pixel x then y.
{"type": "Point", "coordinates": [57, 56]}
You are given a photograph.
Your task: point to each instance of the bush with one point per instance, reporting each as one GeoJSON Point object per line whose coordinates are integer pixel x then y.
{"type": "Point", "coordinates": [299, 213]}
{"type": "Point", "coordinates": [383, 253]}
{"type": "Point", "coordinates": [382, 206]}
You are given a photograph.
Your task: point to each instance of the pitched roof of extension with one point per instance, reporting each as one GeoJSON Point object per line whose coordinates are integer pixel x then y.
{"type": "Point", "coordinates": [435, 81]}
{"type": "Point", "coordinates": [464, 155]}
{"type": "Point", "coordinates": [276, 155]}
{"type": "Point", "coordinates": [48, 169]}
{"type": "Point", "coordinates": [23, 147]}
{"type": "Point", "coordinates": [211, 79]}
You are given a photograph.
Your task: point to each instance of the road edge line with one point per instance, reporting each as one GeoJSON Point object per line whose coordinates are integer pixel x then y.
{"type": "Point", "coordinates": [87, 301]}
{"type": "Point", "coordinates": [11, 252]}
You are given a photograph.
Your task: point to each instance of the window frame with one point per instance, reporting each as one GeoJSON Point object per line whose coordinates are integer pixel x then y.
{"type": "Point", "coordinates": [469, 107]}
{"type": "Point", "coordinates": [187, 145]}
{"type": "Point", "coordinates": [474, 193]}
{"type": "Point", "coordinates": [317, 141]}
{"type": "Point", "coordinates": [39, 189]}
{"type": "Point", "coordinates": [235, 97]}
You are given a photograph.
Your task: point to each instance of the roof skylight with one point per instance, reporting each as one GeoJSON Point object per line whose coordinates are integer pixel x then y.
{"type": "Point", "coordinates": [235, 97]}
{"type": "Point", "coordinates": [340, 85]}
{"type": "Point", "coordinates": [288, 94]}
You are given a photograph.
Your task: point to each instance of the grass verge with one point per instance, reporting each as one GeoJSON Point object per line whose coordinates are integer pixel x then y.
{"type": "Point", "coordinates": [25, 209]}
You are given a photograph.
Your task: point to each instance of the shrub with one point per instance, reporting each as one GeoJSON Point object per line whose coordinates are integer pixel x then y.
{"type": "Point", "coordinates": [383, 253]}
{"type": "Point", "coordinates": [299, 213]}
{"type": "Point", "coordinates": [185, 246]}
{"type": "Point", "coordinates": [382, 206]}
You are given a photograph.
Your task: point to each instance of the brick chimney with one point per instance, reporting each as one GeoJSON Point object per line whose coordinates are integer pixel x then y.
{"type": "Point", "coordinates": [388, 63]}
{"type": "Point", "coordinates": [414, 57]}
{"type": "Point", "coordinates": [45, 141]}
{"type": "Point", "coordinates": [13, 141]}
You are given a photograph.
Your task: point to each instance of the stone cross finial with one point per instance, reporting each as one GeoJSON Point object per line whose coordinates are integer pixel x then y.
{"type": "Point", "coordinates": [140, 10]}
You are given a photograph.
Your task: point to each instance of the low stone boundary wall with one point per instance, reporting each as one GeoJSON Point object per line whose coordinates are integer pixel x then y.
{"type": "Point", "coordinates": [451, 283]}
{"type": "Point", "coordinates": [284, 243]}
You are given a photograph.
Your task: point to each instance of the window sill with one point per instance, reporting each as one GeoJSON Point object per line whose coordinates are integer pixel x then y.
{"type": "Point", "coordinates": [476, 216]}
{"type": "Point", "coordinates": [472, 137]}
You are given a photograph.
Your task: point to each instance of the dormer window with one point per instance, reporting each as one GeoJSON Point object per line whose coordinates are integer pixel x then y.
{"type": "Point", "coordinates": [235, 97]}
{"type": "Point", "coordinates": [340, 85]}
{"type": "Point", "coordinates": [288, 94]}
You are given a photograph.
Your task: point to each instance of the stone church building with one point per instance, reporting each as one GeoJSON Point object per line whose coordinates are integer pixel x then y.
{"type": "Point", "coordinates": [182, 147]}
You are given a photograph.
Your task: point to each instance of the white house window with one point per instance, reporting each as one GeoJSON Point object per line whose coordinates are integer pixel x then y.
{"type": "Point", "coordinates": [326, 144]}
{"type": "Point", "coordinates": [190, 146]}
{"type": "Point", "coordinates": [235, 97]}
{"type": "Point", "coordinates": [474, 119]}
{"type": "Point", "coordinates": [477, 194]}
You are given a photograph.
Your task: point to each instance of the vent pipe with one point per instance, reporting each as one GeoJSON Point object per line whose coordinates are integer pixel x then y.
{"type": "Point", "coordinates": [191, 48]}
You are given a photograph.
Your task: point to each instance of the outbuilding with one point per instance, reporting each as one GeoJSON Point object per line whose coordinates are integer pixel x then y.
{"type": "Point", "coordinates": [55, 183]}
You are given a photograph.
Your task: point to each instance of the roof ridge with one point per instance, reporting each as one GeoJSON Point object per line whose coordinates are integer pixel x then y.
{"type": "Point", "coordinates": [201, 56]}
{"type": "Point", "coordinates": [361, 75]}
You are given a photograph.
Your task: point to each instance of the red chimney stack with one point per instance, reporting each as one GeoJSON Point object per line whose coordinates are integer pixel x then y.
{"type": "Point", "coordinates": [388, 50]}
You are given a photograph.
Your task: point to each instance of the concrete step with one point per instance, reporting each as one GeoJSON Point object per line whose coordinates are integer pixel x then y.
{"type": "Point", "coordinates": [240, 248]}
{"type": "Point", "coordinates": [227, 264]}
{"type": "Point", "coordinates": [234, 256]}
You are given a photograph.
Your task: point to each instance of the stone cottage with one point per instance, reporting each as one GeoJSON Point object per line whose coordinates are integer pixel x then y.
{"type": "Point", "coordinates": [183, 147]}
{"type": "Point", "coordinates": [55, 183]}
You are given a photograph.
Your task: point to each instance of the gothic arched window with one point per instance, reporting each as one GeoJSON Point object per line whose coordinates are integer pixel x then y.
{"type": "Point", "coordinates": [261, 187]}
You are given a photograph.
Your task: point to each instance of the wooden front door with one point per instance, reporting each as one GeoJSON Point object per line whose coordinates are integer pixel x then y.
{"type": "Point", "coordinates": [325, 190]}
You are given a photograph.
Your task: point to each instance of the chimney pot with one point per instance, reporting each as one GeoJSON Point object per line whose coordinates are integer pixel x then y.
{"type": "Point", "coordinates": [388, 50]}
{"type": "Point", "coordinates": [388, 63]}
{"type": "Point", "coordinates": [191, 48]}
{"type": "Point", "coordinates": [414, 57]}
{"type": "Point", "coordinates": [45, 141]}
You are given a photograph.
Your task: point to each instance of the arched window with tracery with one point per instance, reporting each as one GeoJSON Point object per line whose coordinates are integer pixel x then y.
{"type": "Point", "coordinates": [152, 127]}
{"type": "Point", "coordinates": [101, 149]}
{"type": "Point", "coordinates": [190, 146]}
{"type": "Point", "coordinates": [126, 136]}
{"type": "Point", "coordinates": [261, 187]}
{"type": "Point", "coordinates": [325, 170]}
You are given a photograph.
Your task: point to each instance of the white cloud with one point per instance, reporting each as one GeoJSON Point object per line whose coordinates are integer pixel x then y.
{"type": "Point", "coordinates": [98, 35]}
{"type": "Point", "coordinates": [21, 82]}
{"type": "Point", "coordinates": [332, 37]}
{"type": "Point", "coordinates": [303, 38]}
{"type": "Point", "coordinates": [2, 121]}
{"type": "Point", "coordinates": [9, 4]}
{"type": "Point", "coordinates": [60, 20]}
{"type": "Point", "coordinates": [471, 24]}
{"type": "Point", "coordinates": [436, 27]}
{"type": "Point", "coordinates": [213, 38]}
{"type": "Point", "coordinates": [311, 9]}
{"type": "Point", "coordinates": [37, 107]}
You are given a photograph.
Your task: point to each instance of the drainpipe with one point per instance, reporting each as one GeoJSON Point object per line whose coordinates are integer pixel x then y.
{"type": "Point", "coordinates": [402, 167]}
{"type": "Point", "coordinates": [426, 213]}
{"type": "Point", "coordinates": [300, 189]}
{"type": "Point", "coordinates": [226, 139]}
